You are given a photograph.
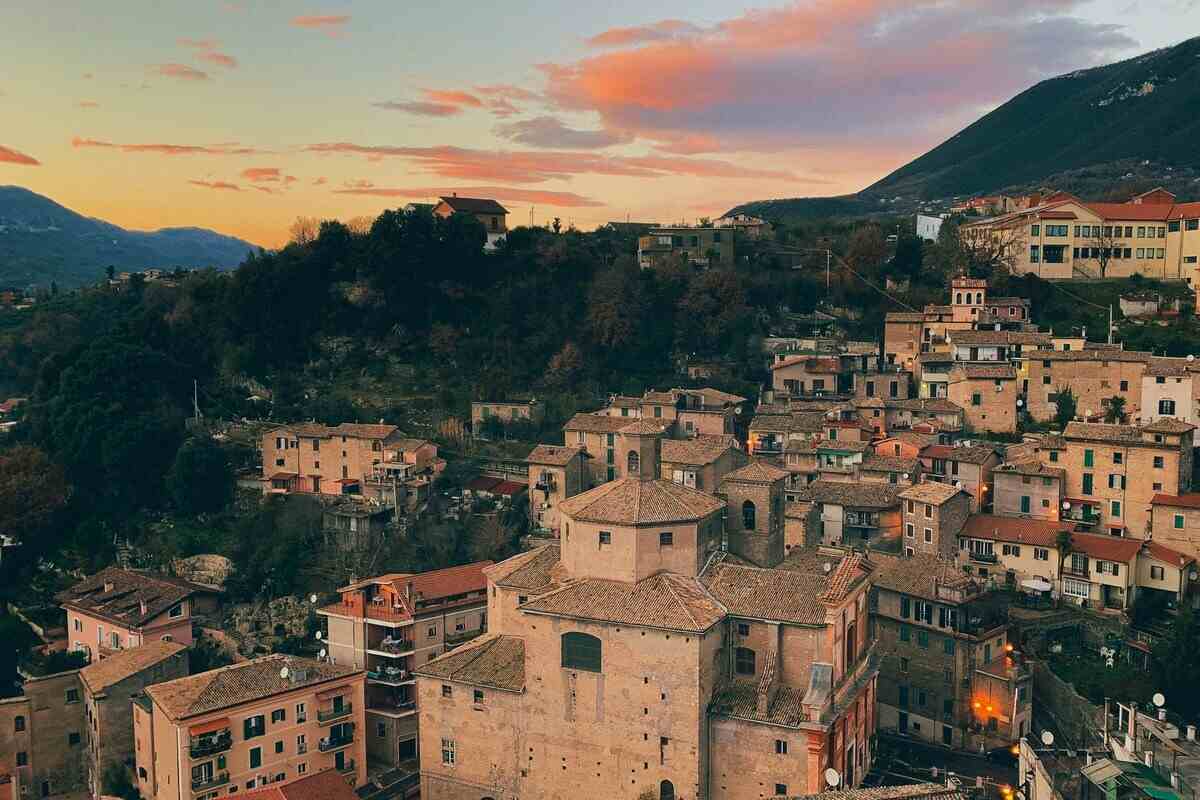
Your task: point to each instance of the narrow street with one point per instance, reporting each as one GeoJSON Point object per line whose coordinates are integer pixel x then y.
{"type": "Point", "coordinates": [901, 759]}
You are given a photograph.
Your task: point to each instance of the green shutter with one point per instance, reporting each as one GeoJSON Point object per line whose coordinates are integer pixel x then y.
{"type": "Point", "coordinates": [1088, 458]}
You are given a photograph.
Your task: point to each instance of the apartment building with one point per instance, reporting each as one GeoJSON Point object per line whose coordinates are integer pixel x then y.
{"type": "Point", "coordinates": [939, 414]}
{"type": "Point", "coordinates": [1171, 390]}
{"type": "Point", "coordinates": [391, 624]}
{"type": "Point", "coordinates": [492, 215]}
{"type": "Point", "coordinates": [967, 466]}
{"type": "Point", "coordinates": [1116, 470]}
{"type": "Point", "coordinates": [949, 674]}
{"type": "Point", "coordinates": [701, 246]}
{"type": "Point", "coordinates": [108, 688]}
{"type": "Point", "coordinates": [987, 394]}
{"type": "Point", "coordinates": [507, 411]}
{"type": "Point", "coordinates": [646, 659]}
{"type": "Point", "coordinates": [267, 721]}
{"type": "Point", "coordinates": [693, 411]}
{"type": "Point", "coordinates": [770, 433]}
{"type": "Point", "coordinates": [1028, 488]}
{"type": "Point", "coordinates": [1151, 235]}
{"type": "Point", "coordinates": [844, 514]}
{"type": "Point", "coordinates": [701, 462]}
{"type": "Point", "coordinates": [1021, 552]}
{"type": "Point", "coordinates": [119, 608]}
{"type": "Point", "coordinates": [932, 515]}
{"type": "Point", "coordinates": [1093, 375]}
{"type": "Point", "coordinates": [1175, 522]}
{"type": "Point", "coordinates": [556, 472]}
{"type": "Point", "coordinates": [350, 458]}
{"type": "Point", "coordinates": [42, 734]}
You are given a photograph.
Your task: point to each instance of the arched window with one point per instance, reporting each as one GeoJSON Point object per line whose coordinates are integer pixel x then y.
{"type": "Point", "coordinates": [743, 661]}
{"type": "Point", "coordinates": [1166, 408]}
{"type": "Point", "coordinates": [635, 463]}
{"type": "Point", "coordinates": [666, 791]}
{"type": "Point", "coordinates": [979, 298]}
{"type": "Point", "coordinates": [581, 651]}
{"type": "Point", "coordinates": [958, 298]}
{"type": "Point", "coordinates": [748, 513]}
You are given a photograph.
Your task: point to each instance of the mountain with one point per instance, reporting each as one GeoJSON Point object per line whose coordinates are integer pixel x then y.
{"type": "Point", "coordinates": [41, 241]}
{"type": "Point", "coordinates": [1142, 109]}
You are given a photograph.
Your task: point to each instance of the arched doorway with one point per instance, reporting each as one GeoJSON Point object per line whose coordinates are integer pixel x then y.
{"type": "Point", "coordinates": [666, 791]}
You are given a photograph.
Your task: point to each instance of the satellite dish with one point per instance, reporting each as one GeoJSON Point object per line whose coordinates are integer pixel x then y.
{"type": "Point", "coordinates": [312, 598]}
{"type": "Point", "coordinates": [322, 653]}
{"type": "Point", "coordinates": [1047, 738]}
{"type": "Point", "coordinates": [832, 778]}
{"type": "Point", "coordinates": [905, 476]}
{"type": "Point", "coordinates": [319, 635]}
{"type": "Point", "coordinates": [1191, 357]}
{"type": "Point", "coordinates": [1158, 699]}
{"type": "Point", "coordinates": [1020, 402]}
{"type": "Point", "coordinates": [283, 673]}
{"type": "Point", "coordinates": [1066, 506]}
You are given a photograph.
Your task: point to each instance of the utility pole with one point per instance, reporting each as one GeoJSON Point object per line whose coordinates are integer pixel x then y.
{"type": "Point", "coordinates": [196, 399]}
{"type": "Point", "coordinates": [1110, 323]}
{"type": "Point", "coordinates": [828, 253]}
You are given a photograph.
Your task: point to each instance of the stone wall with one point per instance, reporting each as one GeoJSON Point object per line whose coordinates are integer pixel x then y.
{"type": "Point", "coordinates": [1075, 717]}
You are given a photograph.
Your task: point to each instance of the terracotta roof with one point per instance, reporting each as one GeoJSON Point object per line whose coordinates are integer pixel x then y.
{"type": "Point", "coordinates": [99, 675]}
{"type": "Point", "coordinates": [985, 371]}
{"type": "Point", "coordinates": [241, 683]}
{"type": "Point", "coordinates": [911, 791]}
{"type": "Point", "coordinates": [918, 575]}
{"type": "Point", "coordinates": [999, 337]}
{"type": "Point", "coordinates": [666, 600]}
{"type": "Point", "coordinates": [1058, 215]}
{"type": "Point", "coordinates": [531, 570]}
{"type": "Point", "coordinates": [933, 405]}
{"type": "Point", "coordinates": [703, 449]}
{"type": "Point", "coordinates": [1168, 555]}
{"type": "Point", "coordinates": [552, 455]}
{"type": "Point", "coordinates": [852, 495]}
{"type": "Point", "coordinates": [350, 429]}
{"type": "Point", "coordinates": [903, 316]}
{"type": "Point", "coordinates": [1191, 500]}
{"type": "Point", "coordinates": [873, 462]}
{"type": "Point", "coordinates": [433, 584]}
{"type": "Point", "coordinates": [739, 699]}
{"type": "Point", "coordinates": [474, 205]}
{"type": "Point", "coordinates": [133, 599]}
{"type": "Point", "coordinates": [328, 784]}
{"type": "Point", "coordinates": [1169, 425]}
{"type": "Point", "coordinates": [1121, 434]}
{"type": "Point", "coordinates": [1188, 210]}
{"type": "Point", "coordinates": [492, 660]}
{"type": "Point", "coordinates": [853, 567]}
{"type": "Point", "coordinates": [1105, 548]}
{"type": "Point", "coordinates": [930, 492]}
{"type": "Point", "coordinates": [757, 472]}
{"type": "Point", "coordinates": [632, 501]}
{"type": "Point", "coordinates": [483, 483]}
{"type": "Point", "coordinates": [1093, 354]}
{"type": "Point", "coordinates": [409, 443]}
{"type": "Point", "coordinates": [795, 422]}
{"type": "Point", "coordinates": [966, 454]}
{"type": "Point", "coordinates": [624, 401]}
{"type": "Point", "coordinates": [654, 397]}
{"type": "Point", "coordinates": [1133, 212]}
{"type": "Point", "coordinates": [1033, 467]}
{"type": "Point", "coordinates": [910, 437]}
{"type": "Point", "coordinates": [1171, 367]}
{"type": "Point", "coordinates": [781, 595]}
{"type": "Point", "coordinates": [713, 397]}
{"type": "Point", "coordinates": [645, 427]}
{"type": "Point", "coordinates": [596, 423]}
{"type": "Point", "coordinates": [1038, 532]}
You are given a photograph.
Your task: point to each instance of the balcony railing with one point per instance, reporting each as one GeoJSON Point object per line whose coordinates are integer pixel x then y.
{"type": "Point", "coordinates": [202, 746]}
{"type": "Point", "coordinates": [334, 713]}
{"type": "Point", "coordinates": [390, 675]}
{"type": "Point", "coordinates": [983, 558]}
{"type": "Point", "coordinates": [458, 637]}
{"type": "Point", "coordinates": [768, 447]}
{"type": "Point", "coordinates": [1076, 571]}
{"type": "Point", "coordinates": [331, 743]}
{"type": "Point", "coordinates": [211, 782]}
{"type": "Point", "coordinates": [396, 647]}
{"type": "Point", "coordinates": [347, 767]}
{"type": "Point", "coordinates": [398, 706]}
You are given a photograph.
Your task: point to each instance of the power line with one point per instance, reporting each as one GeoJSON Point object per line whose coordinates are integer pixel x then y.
{"type": "Point", "coordinates": [883, 292]}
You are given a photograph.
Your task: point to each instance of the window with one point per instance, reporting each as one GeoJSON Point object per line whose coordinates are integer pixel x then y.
{"type": "Point", "coordinates": [448, 751]}
{"type": "Point", "coordinates": [666, 539]}
{"type": "Point", "coordinates": [1089, 458]}
{"type": "Point", "coordinates": [301, 745]}
{"type": "Point", "coordinates": [1075, 588]}
{"type": "Point", "coordinates": [781, 789]}
{"type": "Point", "coordinates": [1141, 252]}
{"type": "Point", "coordinates": [1116, 508]}
{"type": "Point", "coordinates": [1034, 230]}
{"type": "Point", "coordinates": [1054, 455]}
{"type": "Point", "coordinates": [948, 646]}
{"type": "Point", "coordinates": [301, 716]}
{"type": "Point", "coordinates": [477, 697]}
{"type": "Point", "coordinates": [1041, 554]}
{"type": "Point", "coordinates": [1057, 230]}
{"type": "Point", "coordinates": [255, 757]}
{"type": "Point", "coordinates": [743, 628]}
{"type": "Point", "coordinates": [1158, 462]}
{"type": "Point", "coordinates": [1024, 504]}
{"type": "Point", "coordinates": [905, 605]}
{"type": "Point", "coordinates": [923, 639]}
{"type": "Point", "coordinates": [605, 538]}
{"type": "Point", "coordinates": [905, 633]}
{"type": "Point", "coordinates": [254, 726]}
{"type": "Point", "coordinates": [1166, 408]}
{"type": "Point", "coordinates": [72, 739]}
{"type": "Point", "coordinates": [447, 690]}
{"type": "Point", "coordinates": [909, 531]}
{"type": "Point", "coordinates": [1191, 224]}
{"type": "Point", "coordinates": [176, 610]}
{"type": "Point", "coordinates": [381, 730]}
{"type": "Point", "coordinates": [1156, 573]}
{"type": "Point", "coordinates": [748, 515]}
{"type": "Point", "coordinates": [72, 696]}
{"type": "Point", "coordinates": [903, 664]}
{"type": "Point", "coordinates": [1118, 457]}
{"type": "Point", "coordinates": [743, 661]}
{"type": "Point", "coordinates": [976, 399]}
{"type": "Point", "coordinates": [1178, 526]}
{"type": "Point", "coordinates": [278, 715]}
{"type": "Point", "coordinates": [928, 536]}
{"type": "Point", "coordinates": [18, 723]}
{"type": "Point", "coordinates": [279, 746]}
{"type": "Point", "coordinates": [1087, 483]}
{"type": "Point", "coordinates": [581, 651]}
{"type": "Point", "coordinates": [633, 467]}
{"type": "Point", "coordinates": [781, 747]}
{"type": "Point", "coordinates": [1035, 254]}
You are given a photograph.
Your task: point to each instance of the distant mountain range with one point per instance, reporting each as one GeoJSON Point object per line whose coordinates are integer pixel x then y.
{"type": "Point", "coordinates": [1103, 119]}
{"type": "Point", "coordinates": [41, 242]}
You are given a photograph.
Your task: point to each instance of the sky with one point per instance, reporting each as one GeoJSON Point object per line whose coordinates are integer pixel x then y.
{"type": "Point", "coordinates": [240, 116]}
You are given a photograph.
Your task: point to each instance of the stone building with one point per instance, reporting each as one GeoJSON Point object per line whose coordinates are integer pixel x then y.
{"type": "Point", "coordinates": [1171, 388]}
{"type": "Point", "coordinates": [702, 461]}
{"type": "Point", "coordinates": [1093, 376]}
{"type": "Point", "coordinates": [108, 687]}
{"type": "Point", "coordinates": [967, 465]}
{"type": "Point", "coordinates": [41, 736]}
{"type": "Point", "coordinates": [1175, 521]}
{"type": "Point", "coordinates": [754, 525]}
{"type": "Point", "coordinates": [555, 473]}
{"type": "Point", "coordinates": [1028, 489]}
{"type": "Point", "coordinates": [393, 623]}
{"type": "Point", "coordinates": [987, 394]}
{"type": "Point", "coordinates": [506, 411]}
{"type": "Point", "coordinates": [933, 514]}
{"type": "Point", "coordinates": [639, 656]}
{"type": "Point", "coordinates": [845, 514]}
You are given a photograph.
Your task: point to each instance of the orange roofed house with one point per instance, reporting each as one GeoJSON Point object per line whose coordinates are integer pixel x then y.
{"type": "Point", "coordinates": [490, 214]}
{"type": "Point", "coordinates": [120, 608]}
{"type": "Point", "coordinates": [637, 656]}
{"type": "Point", "coordinates": [268, 721]}
{"type": "Point", "coordinates": [391, 624]}
{"type": "Point", "coordinates": [327, 785]}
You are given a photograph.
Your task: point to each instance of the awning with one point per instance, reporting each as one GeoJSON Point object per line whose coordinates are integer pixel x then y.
{"type": "Point", "coordinates": [1036, 584]}
{"type": "Point", "coordinates": [209, 727]}
{"type": "Point", "coordinates": [346, 481]}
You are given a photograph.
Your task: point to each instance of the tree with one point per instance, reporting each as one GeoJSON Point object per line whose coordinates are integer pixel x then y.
{"type": "Point", "coordinates": [118, 783]}
{"type": "Point", "coordinates": [1176, 662]}
{"type": "Point", "coordinates": [110, 271]}
{"type": "Point", "coordinates": [304, 230]}
{"type": "Point", "coordinates": [1065, 405]}
{"type": "Point", "coordinates": [32, 490]}
{"type": "Point", "coordinates": [907, 263]}
{"type": "Point", "coordinates": [564, 366]}
{"type": "Point", "coordinates": [556, 225]}
{"type": "Point", "coordinates": [1062, 543]}
{"type": "Point", "coordinates": [1104, 246]}
{"type": "Point", "coordinates": [867, 249]}
{"type": "Point", "coordinates": [987, 253]}
{"type": "Point", "coordinates": [201, 479]}
{"type": "Point", "coordinates": [1114, 410]}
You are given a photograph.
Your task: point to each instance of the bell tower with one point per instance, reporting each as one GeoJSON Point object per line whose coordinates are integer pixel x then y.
{"type": "Point", "coordinates": [641, 447]}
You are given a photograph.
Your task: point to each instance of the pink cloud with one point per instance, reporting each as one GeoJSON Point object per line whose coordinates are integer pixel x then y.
{"type": "Point", "coordinates": [181, 71]}
{"type": "Point", "coordinates": [199, 44]}
{"type": "Point", "coordinates": [263, 174]}
{"type": "Point", "coordinates": [452, 97]}
{"type": "Point", "coordinates": [420, 108]}
{"type": "Point", "coordinates": [821, 72]}
{"type": "Point", "coordinates": [504, 193]}
{"type": "Point", "coordinates": [534, 167]}
{"type": "Point", "coordinates": [10, 156]}
{"type": "Point", "coordinates": [87, 104]}
{"type": "Point", "coordinates": [508, 91]}
{"type": "Point", "coordinates": [265, 189]}
{"type": "Point", "coordinates": [217, 57]}
{"type": "Point", "coordinates": [221, 185]}
{"type": "Point", "coordinates": [329, 24]}
{"type": "Point", "coordinates": [551, 132]}
{"type": "Point", "coordinates": [223, 149]}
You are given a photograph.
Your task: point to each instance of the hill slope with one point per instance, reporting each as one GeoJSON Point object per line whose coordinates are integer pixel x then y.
{"type": "Point", "coordinates": [41, 241]}
{"type": "Point", "coordinates": [1142, 108]}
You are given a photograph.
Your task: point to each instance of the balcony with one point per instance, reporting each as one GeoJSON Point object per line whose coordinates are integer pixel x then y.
{"type": "Point", "coordinates": [983, 558]}
{"type": "Point", "coordinates": [211, 782]}
{"type": "Point", "coordinates": [326, 716]}
{"type": "Point", "coordinates": [393, 647]}
{"type": "Point", "coordinates": [1076, 570]}
{"type": "Point", "coordinates": [390, 676]}
{"type": "Point", "coordinates": [204, 746]}
{"type": "Point", "coordinates": [332, 743]}
{"type": "Point", "coordinates": [458, 637]}
{"type": "Point", "coordinates": [394, 706]}
{"type": "Point", "coordinates": [767, 446]}
{"type": "Point", "coordinates": [1084, 517]}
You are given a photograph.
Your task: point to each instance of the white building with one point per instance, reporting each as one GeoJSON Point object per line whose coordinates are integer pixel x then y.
{"type": "Point", "coordinates": [929, 227]}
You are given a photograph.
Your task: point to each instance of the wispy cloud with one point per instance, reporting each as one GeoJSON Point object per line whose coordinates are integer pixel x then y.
{"type": "Point", "coordinates": [551, 132]}
{"type": "Point", "coordinates": [223, 149]}
{"type": "Point", "coordinates": [329, 24]}
{"type": "Point", "coordinates": [273, 175]}
{"type": "Point", "coordinates": [503, 193]}
{"type": "Point", "coordinates": [421, 108]}
{"type": "Point", "coordinates": [180, 71]}
{"type": "Point", "coordinates": [198, 44]}
{"type": "Point", "coordinates": [638, 34]}
{"type": "Point", "coordinates": [217, 57]}
{"type": "Point", "coordinates": [452, 97]}
{"type": "Point", "coordinates": [10, 156]}
{"type": "Point", "coordinates": [220, 185]}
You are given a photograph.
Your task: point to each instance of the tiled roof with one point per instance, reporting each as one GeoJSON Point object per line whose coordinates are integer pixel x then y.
{"type": "Point", "coordinates": [910, 437]}
{"type": "Point", "coordinates": [699, 450]}
{"type": "Point", "coordinates": [911, 791]}
{"type": "Point", "coordinates": [624, 401]}
{"type": "Point", "coordinates": [1038, 532]}
{"type": "Point", "coordinates": [842, 580]}
{"type": "Point", "coordinates": [491, 660]}
{"type": "Point", "coordinates": [739, 699]}
{"type": "Point", "coordinates": [1033, 467]}
{"type": "Point", "coordinates": [781, 595]}
{"type": "Point", "coordinates": [1191, 500]}
{"type": "Point", "coordinates": [1106, 548]}
{"type": "Point", "coordinates": [134, 598]}
{"type": "Point", "coordinates": [930, 492]}
{"type": "Point", "coordinates": [552, 455]}
{"type": "Point", "coordinates": [874, 462]}
{"type": "Point", "coordinates": [1171, 367]}
{"type": "Point", "coordinates": [666, 600]}
{"type": "Point", "coordinates": [1169, 425]}
{"type": "Point", "coordinates": [918, 575]}
{"type": "Point", "coordinates": [349, 429]}
{"type": "Point", "coordinates": [852, 495]}
{"type": "Point", "coordinates": [659, 398]}
{"type": "Point", "coordinates": [531, 570]}
{"type": "Point", "coordinates": [1167, 554]}
{"type": "Point", "coordinates": [1092, 354]}
{"type": "Point", "coordinates": [966, 454]}
{"type": "Point", "coordinates": [933, 405]}
{"type": "Point", "coordinates": [1133, 212]}
{"type": "Point", "coordinates": [985, 371]}
{"type": "Point", "coordinates": [714, 397]}
{"type": "Point", "coordinates": [241, 683]}
{"type": "Point", "coordinates": [327, 784]}
{"type": "Point", "coordinates": [757, 472]}
{"type": "Point", "coordinates": [645, 427]}
{"type": "Point", "coordinates": [474, 205]}
{"type": "Point", "coordinates": [631, 501]}
{"type": "Point", "coordinates": [1101, 432]}
{"type": "Point", "coordinates": [432, 585]}
{"type": "Point", "coordinates": [99, 675]}
{"type": "Point", "coordinates": [999, 338]}
{"type": "Point", "coordinates": [903, 316]}
{"type": "Point", "coordinates": [596, 423]}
